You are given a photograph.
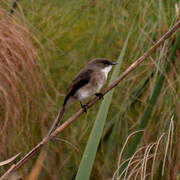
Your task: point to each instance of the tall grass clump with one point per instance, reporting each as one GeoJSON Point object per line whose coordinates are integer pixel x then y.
{"type": "Point", "coordinates": [22, 88]}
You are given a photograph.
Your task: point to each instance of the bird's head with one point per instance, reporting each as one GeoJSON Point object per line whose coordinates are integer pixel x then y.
{"type": "Point", "coordinates": [104, 64]}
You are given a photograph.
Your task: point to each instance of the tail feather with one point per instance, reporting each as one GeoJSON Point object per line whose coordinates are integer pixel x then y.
{"type": "Point", "coordinates": [57, 121]}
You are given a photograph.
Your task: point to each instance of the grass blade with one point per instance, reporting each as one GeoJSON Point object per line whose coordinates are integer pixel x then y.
{"type": "Point", "coordinates": [96, 133]}
{"type": "Point", "coordinates": [152, 102]}
{"type": "Point", "coordinates": [9, 160]}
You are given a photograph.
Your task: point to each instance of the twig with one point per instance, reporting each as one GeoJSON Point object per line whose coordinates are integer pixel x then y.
{"type": "Point", "coordinates": [39, 146]}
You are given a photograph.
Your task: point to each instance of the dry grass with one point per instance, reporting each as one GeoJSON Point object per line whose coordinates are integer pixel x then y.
{"type": "Point", "coordinates": [18, 63]}
{"type": "Point", "coordinates": [21, 85]}
{"type": "Point", "coordinates": [145, 160]}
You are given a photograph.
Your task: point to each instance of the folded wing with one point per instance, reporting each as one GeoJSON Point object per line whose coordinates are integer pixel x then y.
{"type": "Point", "coordinates": [81, 80]}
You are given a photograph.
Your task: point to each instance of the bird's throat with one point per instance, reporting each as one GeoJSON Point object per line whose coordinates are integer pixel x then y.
{"type": "Point", "coordinates": [106, 70]}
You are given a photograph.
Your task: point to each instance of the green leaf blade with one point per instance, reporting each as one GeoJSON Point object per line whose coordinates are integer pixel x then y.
{"type": "Point", "coordinates": [88, 158]}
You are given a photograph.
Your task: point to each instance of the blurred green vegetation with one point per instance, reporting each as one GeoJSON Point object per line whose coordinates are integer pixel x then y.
{"type": "Point", "coordinates": [67, 34]}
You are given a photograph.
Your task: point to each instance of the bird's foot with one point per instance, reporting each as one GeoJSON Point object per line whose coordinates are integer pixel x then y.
{"type": "Point", "coordinates": [84, 107]}
{"type": "Point", "coordinates": [99, 95]}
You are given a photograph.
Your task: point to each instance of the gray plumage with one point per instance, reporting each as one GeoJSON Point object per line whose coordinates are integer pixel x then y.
{"type": "Point", "coordinates": [87, 83]}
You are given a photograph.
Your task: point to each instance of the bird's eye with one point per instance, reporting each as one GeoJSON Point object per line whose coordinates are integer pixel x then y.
{"type": "Point", "coordinates": [107, 63]}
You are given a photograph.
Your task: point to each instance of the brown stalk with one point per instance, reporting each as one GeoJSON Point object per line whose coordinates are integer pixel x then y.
{"type": "Point", "coordinates": [46, 139]}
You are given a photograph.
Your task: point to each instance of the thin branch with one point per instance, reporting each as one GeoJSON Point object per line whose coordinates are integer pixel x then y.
{"type": "Point", "coordinates": [46, 139]}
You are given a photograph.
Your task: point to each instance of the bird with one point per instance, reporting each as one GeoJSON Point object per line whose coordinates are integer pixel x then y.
{"type": "Point", "coordinates": [87, 83]}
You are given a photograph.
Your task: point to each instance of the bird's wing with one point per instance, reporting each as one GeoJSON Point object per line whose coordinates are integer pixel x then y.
{"type": "Point", "coordinates": [81, 80]}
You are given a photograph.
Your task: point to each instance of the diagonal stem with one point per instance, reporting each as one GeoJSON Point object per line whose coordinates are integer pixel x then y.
{"type": "Point", "coordinates": [46, 139]}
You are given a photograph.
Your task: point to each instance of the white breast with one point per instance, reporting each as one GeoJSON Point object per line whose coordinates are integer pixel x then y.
{"type": "Point", "coordinates": [86, 92]}
{"type": "Point", "coordinates": [106, 70]}
{"type": "Point", "coordinates": [83, 94]}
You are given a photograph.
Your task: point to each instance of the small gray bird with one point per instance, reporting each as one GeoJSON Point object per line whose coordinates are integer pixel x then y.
{"type": "Point", "coordinates": [87, 83]}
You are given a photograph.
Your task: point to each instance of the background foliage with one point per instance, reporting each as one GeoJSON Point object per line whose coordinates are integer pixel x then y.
{"type": "Point", "coordinates": [45, 44]}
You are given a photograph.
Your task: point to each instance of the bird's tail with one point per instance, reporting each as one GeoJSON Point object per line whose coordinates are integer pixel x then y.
{"type": "Point", "coordinates": [57, 121]}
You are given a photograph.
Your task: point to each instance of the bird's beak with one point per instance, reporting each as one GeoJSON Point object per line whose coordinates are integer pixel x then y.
{"type": "Point", "coordinates": [114, 63]}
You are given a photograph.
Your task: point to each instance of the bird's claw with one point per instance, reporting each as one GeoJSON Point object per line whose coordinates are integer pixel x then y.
{"type": "Point", "coordinates": [84, 107]}
{"type": "Point", "coordinates": [99, 95]}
